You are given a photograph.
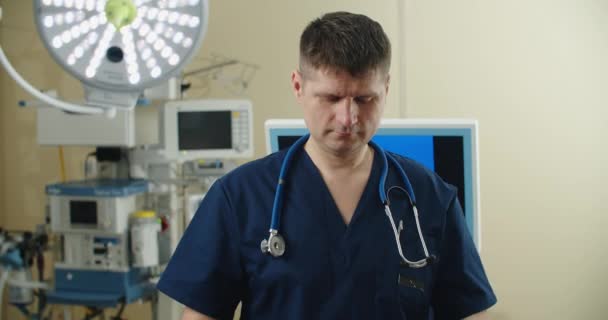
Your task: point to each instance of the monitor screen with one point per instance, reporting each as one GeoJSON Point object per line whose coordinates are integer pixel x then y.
{"type": "Point", "coordinates": [447, 147]}
{"type": "Point", "coordinates": [83, 212]}
{"type": "Point", "coordinates": [198, 130]}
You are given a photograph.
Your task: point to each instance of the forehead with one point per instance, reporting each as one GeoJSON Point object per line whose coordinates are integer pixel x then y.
{"type": "Point", "coordinates": [334, 81]}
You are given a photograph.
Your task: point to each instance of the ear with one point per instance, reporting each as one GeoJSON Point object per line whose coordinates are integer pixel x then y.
{"type": "Point", "coordinates": [296, 84]}
{"type": "Point", "coordinates": [388, 82]}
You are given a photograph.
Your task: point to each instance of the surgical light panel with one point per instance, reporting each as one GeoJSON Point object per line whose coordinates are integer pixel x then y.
{"type": "Point", "coordinates": [121, 46]}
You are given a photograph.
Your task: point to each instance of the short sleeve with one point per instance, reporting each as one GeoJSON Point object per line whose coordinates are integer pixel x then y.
{"type": "Point", "coordinates": [205, 272]}
{"type": "Point", "coordinates": [462, 287]}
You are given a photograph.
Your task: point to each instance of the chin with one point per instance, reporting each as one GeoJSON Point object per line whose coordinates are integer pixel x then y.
{"type": "Point", "coordinates": [345, 146]}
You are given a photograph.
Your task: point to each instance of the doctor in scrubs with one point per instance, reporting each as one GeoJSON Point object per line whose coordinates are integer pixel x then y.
{"type": "Point", "coordinates": [332, 252]}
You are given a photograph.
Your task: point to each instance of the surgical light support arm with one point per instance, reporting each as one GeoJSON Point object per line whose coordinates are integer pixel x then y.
{"type": "Point", "coordinates": [69, 107]}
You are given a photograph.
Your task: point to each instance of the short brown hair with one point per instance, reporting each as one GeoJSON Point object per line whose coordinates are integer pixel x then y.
{"type": "Point", "coordinates": [345, 41]}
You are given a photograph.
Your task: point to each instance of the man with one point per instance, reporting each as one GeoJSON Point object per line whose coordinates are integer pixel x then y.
{"type": "Point", "coordinates": [341, 259]}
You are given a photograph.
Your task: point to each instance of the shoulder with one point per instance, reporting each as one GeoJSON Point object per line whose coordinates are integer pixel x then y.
{"type": "Point", "coordinates": [257, 174]}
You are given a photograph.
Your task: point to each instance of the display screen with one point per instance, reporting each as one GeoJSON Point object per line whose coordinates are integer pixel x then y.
{"type": "Point", "coordinates": [83, 212]}
{"type": "Point", "coordinates": [442, 154]}
{"type": "Point", "coordinates": [199, 130]}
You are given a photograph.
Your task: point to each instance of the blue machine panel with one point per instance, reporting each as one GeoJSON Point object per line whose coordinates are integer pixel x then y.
{"type": "Point", "coordinates": [99, 188]}
{"type": "Point", "coordinates": [99, 288]}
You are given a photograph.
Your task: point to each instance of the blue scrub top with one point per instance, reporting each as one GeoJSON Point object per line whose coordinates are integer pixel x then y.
{"type": "Point", "coordinates": [330, 270]}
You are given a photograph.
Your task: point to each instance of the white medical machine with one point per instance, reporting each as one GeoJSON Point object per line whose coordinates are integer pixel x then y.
{"type": "Point", "coordinates": [93, 264]}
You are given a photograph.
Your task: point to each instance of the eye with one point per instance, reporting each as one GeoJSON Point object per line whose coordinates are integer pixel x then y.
{"type": "Point", "coordinates": [332, 98]}
{"type": "Point", "coordinates": [363, 99]}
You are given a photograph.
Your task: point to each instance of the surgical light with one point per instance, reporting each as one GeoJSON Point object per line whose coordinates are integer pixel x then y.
{"type": "Point", "coordinates": [95, 41]}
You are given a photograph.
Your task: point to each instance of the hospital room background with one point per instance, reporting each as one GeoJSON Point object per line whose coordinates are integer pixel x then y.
{"type": "Point", "coordinates": [533, 73]}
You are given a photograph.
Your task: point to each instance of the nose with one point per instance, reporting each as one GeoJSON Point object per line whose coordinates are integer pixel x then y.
{"type": "Point", "coordinates": [346, 112]}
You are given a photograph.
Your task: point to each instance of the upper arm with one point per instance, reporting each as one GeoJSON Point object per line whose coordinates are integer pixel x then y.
{"type": "Point", "coordinates": [461, 288]}
{"type": "Point", "coordinates": [190, 314]}
{"type": "Point", "coordinates": [205, 271]}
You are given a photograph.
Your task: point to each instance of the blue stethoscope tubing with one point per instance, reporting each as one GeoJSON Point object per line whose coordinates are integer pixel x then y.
{"type": "Point", "coordinates": [275, 244]}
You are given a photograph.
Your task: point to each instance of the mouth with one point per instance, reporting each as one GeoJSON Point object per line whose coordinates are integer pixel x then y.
{"type": "Point", "coordinates": [343, 134]}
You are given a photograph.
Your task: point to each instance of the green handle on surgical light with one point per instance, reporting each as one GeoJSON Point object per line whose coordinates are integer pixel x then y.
{"type": "Point", "coordinates": [120, 13]}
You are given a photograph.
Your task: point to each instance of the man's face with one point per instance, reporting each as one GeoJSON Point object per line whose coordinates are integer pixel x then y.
{"type": "Point", "coordinates": [342, 112]}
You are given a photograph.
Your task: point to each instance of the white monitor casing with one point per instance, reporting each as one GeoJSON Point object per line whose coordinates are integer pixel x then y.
{"type": "Point", "coordinates": [241, 128]}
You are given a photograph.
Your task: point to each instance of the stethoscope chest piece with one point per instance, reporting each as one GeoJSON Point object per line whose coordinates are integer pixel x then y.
{"type": "Point", "coordinates": [275, 245]}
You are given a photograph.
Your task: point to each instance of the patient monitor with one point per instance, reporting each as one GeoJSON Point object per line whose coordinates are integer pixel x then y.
{"type": "Point", "coordinates": [207, 129]}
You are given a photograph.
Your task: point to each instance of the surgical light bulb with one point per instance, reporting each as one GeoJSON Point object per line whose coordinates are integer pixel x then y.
{"type": "Point", "coordinates": [134, 78]}
{"type": "Point", "coordinates": [146, 53]}
{"type": "Point", "coordinates": [78, 52]}
{"type": "Point", "coordinates": [155, 73]}
{"type": "Point", "coordinates": [66, 37]}
{"type": "Point", "coordinates": [75, 31]}
{"type": "Point", "coordinates": [90, 6]}
{"type": "Point", "coordinates": [151, 38]}
{"type": "Point", "coordinates": [143, 31]}
{"type": "Point", "coordinates": [132, 69]}
{"type": "Point", "coordinates": [174, 59]}
{"type": "Point", "coordinates": [48, 21]}
{"type": "Point", "coordinates": [173, 16]}
{"type": "Point", "coordinates": [178, 37]}
{"type": "Point", "coordinates": [151, 63]}
{"type": "Point", "coordinates": [194, 22]}
{"type": "Point", "coordinates": [166, 52]}
{"type": "Point", "coordinates": [159, 45]}
{"type": "Point", "coordinates": [59, 19]}
{"type": "Point", "coordinates": [90, 72]}
{"type": "Point", "coordinates": [69, 17]}
{"type": "Point", "coordinates": [152, 13]}
{"type": "Point", "coordinates": [183, 19]}
{"type": "Point", "coordinates": [163, 15]}
{"type": "Point", "coordinates": [57, 43]}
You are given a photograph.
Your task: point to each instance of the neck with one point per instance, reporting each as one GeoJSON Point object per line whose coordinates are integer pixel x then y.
{"type": "Point", "coordinates": [332, 162]}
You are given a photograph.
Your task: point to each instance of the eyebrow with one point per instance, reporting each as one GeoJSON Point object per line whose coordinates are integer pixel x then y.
{"type": "Point", "coordinates": [329, 94]}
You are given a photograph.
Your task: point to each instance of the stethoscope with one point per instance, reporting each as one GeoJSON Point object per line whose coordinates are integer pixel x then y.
{"type": "Point", "coordinates": [275, 244]}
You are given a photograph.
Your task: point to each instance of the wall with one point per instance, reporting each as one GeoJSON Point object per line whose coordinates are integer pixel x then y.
{"type": "Point", "coordinates": [534, 74]}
